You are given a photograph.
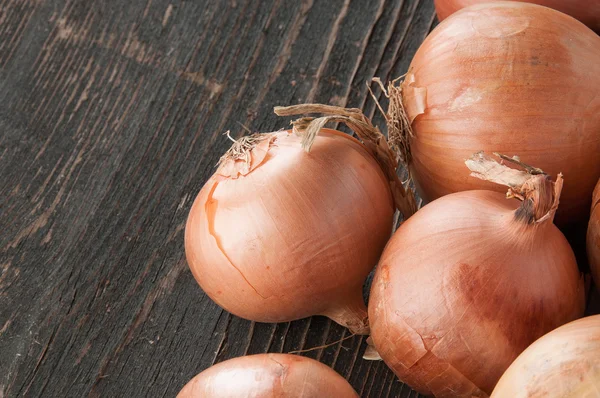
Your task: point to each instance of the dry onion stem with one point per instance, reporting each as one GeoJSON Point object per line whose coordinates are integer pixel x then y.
{"type": "Point", "coordinates": [532, 186]}
{"type": "Point", "coordinates": [398, 125]}
{"type": "Point", "coordinates": [370, 135]}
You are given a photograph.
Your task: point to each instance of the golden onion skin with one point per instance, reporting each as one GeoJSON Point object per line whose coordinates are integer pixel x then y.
{"type": "Point", "coordinates": [463, 287]}
{"type": "Point", "coordinates": [268, 376]}
{"type": "Point", "coordinates": [564, 363]}
{"type": "Point", "coordinates": [296, 236]}
{"type": "Point", "coordinates": [508, 77]}
{"type": "Point", "coordinates": [586, 11]}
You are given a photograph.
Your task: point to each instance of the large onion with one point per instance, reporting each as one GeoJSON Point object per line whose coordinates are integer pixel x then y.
{"type": "Point", "coordinates": [504, 77]}
{"type": "Point", "coordinates": [279, 234]}
{"type": "Point", "coordinates": [268, 376]}
{"type": "Point", "coordinates": [587, 11]}
{"type": "Point", "coordinates": [469, 281]}
{"type": "Point", "coordinates": [564, 363]}
{"type": "Point", "coordinates": [593, 237]}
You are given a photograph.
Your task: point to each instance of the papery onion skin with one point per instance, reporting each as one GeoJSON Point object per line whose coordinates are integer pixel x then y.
{"type": "Point", "coordinates": [563, 363]}
{"type": "Point", "coordinates": [463, 287]}
{"type": "Point", "coordinates": [296, 236]}
{"type": "Point", "coordinates": [268, 376]}
{"type": "Point", "coordinates": [593, 236]}
{"type": "Point", "coordinates": [586, 11]}
{"type": "Point", "coordinates": [508, 77]}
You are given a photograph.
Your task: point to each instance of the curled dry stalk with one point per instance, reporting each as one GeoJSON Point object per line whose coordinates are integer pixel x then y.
{"type": "Point", "coordinates": [370, 135]}
{"type": "Point", "coordinates": [398, 124]}
{"type": "Point", "coordinates": [539, 194]}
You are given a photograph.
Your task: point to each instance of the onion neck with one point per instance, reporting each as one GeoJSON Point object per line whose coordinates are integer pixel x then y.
{"type": "Point", "coordinates": [539, 194]}
{"type": "Point", "coordinates": [539, 203]}
{"type": "Point", "coordinates": [352, 314]}
{"type": "Point", "coordinates": [372, 139]}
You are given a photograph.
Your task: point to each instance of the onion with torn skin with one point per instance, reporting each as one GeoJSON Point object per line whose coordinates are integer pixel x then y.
{"type": "Point", "coordinates": [279, 234]}
{"type": "Point", "coordinates": [506, 77]}
{"type": "Point", "coordinates": [268, 376]}
{"type": "Point", "coordinates": [593, 236]}
{"type": "Point", "coordinates": [468, 282]}
{"type": "Point", "coordinates": [564, 363]}
{"type": "Point", "coordinates": [586, 11]}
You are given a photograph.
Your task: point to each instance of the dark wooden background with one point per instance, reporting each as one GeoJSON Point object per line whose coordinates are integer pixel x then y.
{"type": "Point", "coordinates": [111, 120]}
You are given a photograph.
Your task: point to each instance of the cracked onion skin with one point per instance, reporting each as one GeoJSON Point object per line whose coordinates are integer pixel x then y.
{"type": "Point", "coordinates": [268, 376]}
{"type": "Point", "coordinates": [586, 11]}
{"type": "Point", "coordinates": [296, 235]}
{"type": "Point", "coordinates": [463, 287]}
{"type": "Point", "coordinates": [593, 236]}
{"type": "Point", "coordinates": [563, 363]}
{"type": "Point", "coordinates": [507, 77]}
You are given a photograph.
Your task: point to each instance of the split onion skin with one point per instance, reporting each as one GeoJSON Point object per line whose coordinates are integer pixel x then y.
{"type": "Point", "coordinates": [593, 236]}
{"type": "Point", "coordinates": [586, 11]}
{"type": "Point", "coordinates": [268, 376]}
{"type": "Point", "coordinates": [513, 78]}
{"type": "Point", "coordinates": [563, 363]}
{"type": "Point", "coordinates": [296, 236]}
{"type": "Point", "coordinates": [463, 287]}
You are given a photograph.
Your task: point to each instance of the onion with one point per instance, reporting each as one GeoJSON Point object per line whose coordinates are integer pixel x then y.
{"type": "Point", "coordinates": [593, 236]}
{"type": "Point", "coordinates": [564, 363]}
{"type": "Point", "coordinates": [268, 376]}
{"type": "Point", "coordinates": [587, 11]}
{"type": "Point", "coordinates": [503, 77]}
{"type": "Point", "coordinates": [279, 234]}
{"type": "Point", "coordinates": [469, 281]}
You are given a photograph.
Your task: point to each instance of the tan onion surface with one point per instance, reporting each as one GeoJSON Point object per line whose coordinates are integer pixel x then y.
{"type": "Point", "coordinates": [268, 376]}
{"type": "Point", "coordinates": [593, 236]}
{"type": "Point", "coordinates": [291, 234]}
{"type": "Point", "coordinates": [564, 363]}
{"type": "Point", "coordinates": [587, 11]}
{"type": "Point", "coordinates": [464, 286]}
{"type": "Point", "coordinates": [508, 77]}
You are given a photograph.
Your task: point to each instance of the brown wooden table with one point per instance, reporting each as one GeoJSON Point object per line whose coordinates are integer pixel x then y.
{"type": "Point", "coordinates": [111, 119]}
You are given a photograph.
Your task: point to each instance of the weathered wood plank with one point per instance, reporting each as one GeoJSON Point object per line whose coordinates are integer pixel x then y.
{"type": "Point", "coordinates": [111, 115]}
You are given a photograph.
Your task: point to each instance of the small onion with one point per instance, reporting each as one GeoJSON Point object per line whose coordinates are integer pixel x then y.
{"type": "Point", "coordinates": [504, 77]}
{"type": "Point", "coordinates": [268, 376]}
{"type": "Point", "coordinates": [279, 233]}
{"type": "Point", "coordinates": [587, 11]}
{"type": "Point", "coordinates": [564, 363]}
{"type": "Point", "coordinates": [469, 281]}
{"type": "Point", "coordinates": [593, 236]}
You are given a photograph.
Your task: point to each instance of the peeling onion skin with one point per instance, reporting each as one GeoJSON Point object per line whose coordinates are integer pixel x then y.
{"type": "Point", "coordinates": [564, 363]}
{"type": "Point", "coordinates": [586, 11]}
{"type": "Point", "coordinates": [593, 237]}
{"type": "Point", "coordinates": [295, 237]}
{"type": "Point", "coordinates": [462, 288]}
{"type": "Point", "coordinates": [268, 376]}
{"type": "Point", "coordinates": [498, 79]}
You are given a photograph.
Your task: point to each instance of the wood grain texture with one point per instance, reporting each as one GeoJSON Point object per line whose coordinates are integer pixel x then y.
{"type": "Point", "coordinates": [111, 119]}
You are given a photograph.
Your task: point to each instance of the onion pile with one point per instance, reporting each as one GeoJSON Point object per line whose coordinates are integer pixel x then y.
{"type": "Point", "coordinates": [564, 363]}
{"type": "Point", "coordinates": [279, 234]}
{"type": "Point", "coordinates": [268, 376]}
{"type": "Point", "coordinates": [587, 11]}
{"type": "Point", "coordinates": [593, 236]}
{"type": "Point", "coordinates": [469, 281]}
{"type": "Point", "coordinates": [504, 77]}
{"type": "Point", "coordinates": [292, 222]}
